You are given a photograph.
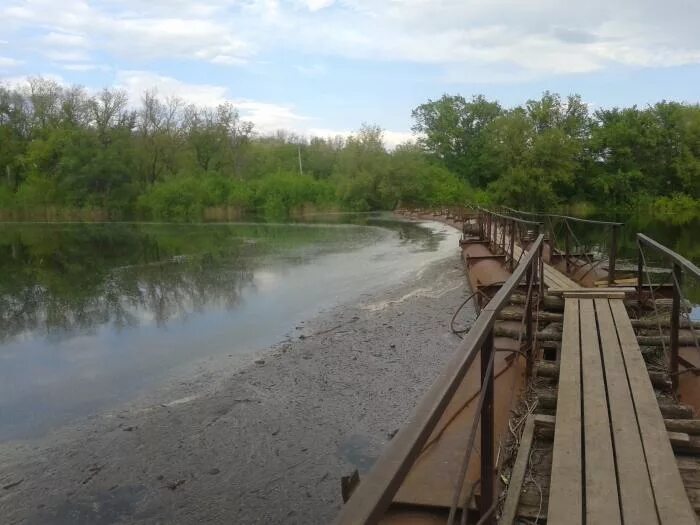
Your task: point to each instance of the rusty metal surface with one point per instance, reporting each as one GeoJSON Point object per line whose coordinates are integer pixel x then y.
{"type": "Point", "coordinates": [483, 271]}
{"type": "Point", "coordinates": [432, 478]}
{"type": "Point", "coordinates": [688, 383]}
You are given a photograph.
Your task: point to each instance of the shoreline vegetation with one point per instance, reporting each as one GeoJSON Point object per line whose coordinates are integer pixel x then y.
{"type": "Point", "coordinates": [66, 154]}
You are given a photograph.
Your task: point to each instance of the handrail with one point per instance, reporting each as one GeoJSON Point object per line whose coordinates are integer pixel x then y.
{"type": "Point", "coordinates": [376, 491]}
{"type": "Point", "coordinates": [501, 231]}
{"type": "Point", "coordinates": [568, 233]}
{"type": "Point", "coordinates": [676, 257]}
{"type": "Point", "coordinates": [568, 217]}
{"type": "Point", "coordinates": [509, 217]}
{"type": "Point", "coordinates": [679, 264]}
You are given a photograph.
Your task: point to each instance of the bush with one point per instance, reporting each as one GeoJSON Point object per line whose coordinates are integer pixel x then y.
{"type": "Point", "coordinates": [679, 208]}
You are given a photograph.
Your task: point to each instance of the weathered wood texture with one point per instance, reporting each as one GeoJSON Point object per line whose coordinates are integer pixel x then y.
{"type": "Point", "coordinates": [671, 499]}
{"type": "Point", "coordinates": [566, 486]}
{"type": "Point", "coordinates": [612, 459]}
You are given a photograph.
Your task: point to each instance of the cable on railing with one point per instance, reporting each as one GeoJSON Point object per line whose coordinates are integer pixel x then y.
{"type": "Point", "coordinates": [653, 297]}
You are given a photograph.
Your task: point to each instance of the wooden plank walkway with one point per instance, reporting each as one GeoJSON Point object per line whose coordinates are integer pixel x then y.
{"type": "Point", "coordinates": [612, 460]}
{"type": "Point", "coordinates": [553, 278]}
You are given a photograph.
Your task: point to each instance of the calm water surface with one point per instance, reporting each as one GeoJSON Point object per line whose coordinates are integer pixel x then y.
{"type": "Point", "coordinates": [93, 314]}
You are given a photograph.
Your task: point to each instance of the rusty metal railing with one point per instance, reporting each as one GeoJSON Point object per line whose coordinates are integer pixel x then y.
{"type": "Point", "coordinates": [553, 222]}
{"type": "Point", "coordinates": [505, 232]}
{"type": "Point", "coordinates": [680, 265]}
{"type": "Point", "coordinates": [374, 494]}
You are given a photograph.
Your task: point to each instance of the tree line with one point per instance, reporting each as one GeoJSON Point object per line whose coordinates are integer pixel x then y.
{"type": "Point", "coordinates": [555, 151]}
{"type": "Point", "coordinates": [67, 153]}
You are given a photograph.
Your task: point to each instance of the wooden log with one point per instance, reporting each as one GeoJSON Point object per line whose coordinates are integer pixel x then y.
{"type": "Point", "coordinates": [664, 322]}
{"type": "Point", "coordinates": [687, 426]}
{"type": "Point", "coordinates": [550, 369]}
{"type": "Point", "coordinates": [678, 439]}
{"type": "Point", "coordinates": [643, 340]}
{"type": "Point", "coordinates": [548, 400]}
{"type": "Point", "coordinates": [549, 302]}
{"type": "Point", "coordinates": [681, 442]}
{"type": "Point", "coordinates": [684, 426]}
{"type": "Point", "coordinates": [556, 304]}
{"type": "Point", "coordinates": [507, 331]}
{"type": "Point", "coordinates": [550, 345]}
{"type": "Point", "coordinates": [661, 303]}
{"type": "Point", "coordinates": [516, 314]}
{"type": "Point", "coordinates": [661, 340]}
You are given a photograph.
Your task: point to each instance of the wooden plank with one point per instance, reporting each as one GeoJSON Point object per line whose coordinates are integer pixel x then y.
{"type": "Point", "coordinates": [602, 504]}
{"type": "Point", "coordinates": [589, 295]}
{"type": "Point", "coordinates": [517, 475]}
{"type": "Point", "coordinates": [628, 281]}
{"type": "Point", "coordinates": [679, 439]}
{"type": "Point", "coordinates": [672, 501]}
{"type": "Point", "coordinates": [636, 495]}
{"type": "Point", "coordinates": [563, 278]}
{"type": "Point", "coordinates": [566, 486]}
{"type": "Point", "coordinates": [558, 278]}
{"type": "Point", "coordinates": [616, 289]}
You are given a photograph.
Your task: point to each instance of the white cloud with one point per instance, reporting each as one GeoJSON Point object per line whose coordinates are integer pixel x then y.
{"type": "Point", "coordinates": [85, 67]}
{"type": "Point", "coordinates": [266, 116]}
{"type": "Point", "coordinates": [131, 29]}
{"type": "Point", "coordinates": [314, 70]}
{"type": "Point", "coordinates": [504, 39]}
{"type": "Point", "coordinates": [8, 62]}
{"type": "Point", "coordinates": [64, 39]}
{"type": "Point", "coordinates": [269, 117]}
{"type": "Point", "coordinates": [61, 55]}
{"type": "Point", "coordinates": [136, 83]}
{"type": "Point", "coordinates": [22, 81]}
{"type": "Point", "coordinates": [317, 5]}
{"type": "Point", "coordinates": [391, 138]}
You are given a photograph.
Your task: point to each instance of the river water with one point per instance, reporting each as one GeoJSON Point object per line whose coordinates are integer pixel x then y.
{"type": "Point", "coordinates": [91, 315]}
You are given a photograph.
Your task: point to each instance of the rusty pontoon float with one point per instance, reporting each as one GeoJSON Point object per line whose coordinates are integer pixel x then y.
{"type": "Point", "coordinates": [562, 404]}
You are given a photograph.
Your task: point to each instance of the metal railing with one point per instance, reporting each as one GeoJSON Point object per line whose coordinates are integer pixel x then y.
{"type": "Point", "coordinates": [375, 492]}
{"type": "Point", "coordinates": [558, 226]}
{"type": "Point", "coordinates": [680, 265]}
{"type": "Point", "coordinates": [505, 232]}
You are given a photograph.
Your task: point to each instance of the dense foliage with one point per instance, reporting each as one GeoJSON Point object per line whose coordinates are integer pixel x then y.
{"type": "Point", "coordinates": [67, 154]}
{"type": "Point", "coordinates": [64, 153]}
{"type": "Point", "coordinates": [553, 152]}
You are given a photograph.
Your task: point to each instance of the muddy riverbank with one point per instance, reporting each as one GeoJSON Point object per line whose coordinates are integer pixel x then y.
{"type": "Point", "coordinates": [266, 442]}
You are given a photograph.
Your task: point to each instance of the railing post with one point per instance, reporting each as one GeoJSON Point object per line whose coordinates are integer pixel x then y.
{"type": "Point", "coordinates": [612, 255]}
{"type": "Point", "coordinates": [512, 244]}
{"type": "Point", "coordinates": [640, 272]}
{"type": "Point", "coordinates": [504, 227]}
{"type": "Point", "coordinates": [487, 424]}
{"type": "Point", "coordinates": [529, 340]}
{"type": "Point", "coordinates": [540, 261]}
{"type": "Point", "coordinates": [494, 228]}
{"type": "Point", "coordinates": [567, 247]}
{"type": "Point", "coordinates": [549, 234]}
{"type": "Point", "coordinates": [490, 221]}
{"type": "Point", "coordinates": [675, 323]}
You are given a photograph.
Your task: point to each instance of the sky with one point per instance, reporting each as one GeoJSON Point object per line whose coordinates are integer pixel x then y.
{"type": "Point", "coordinates": [323, 67]}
